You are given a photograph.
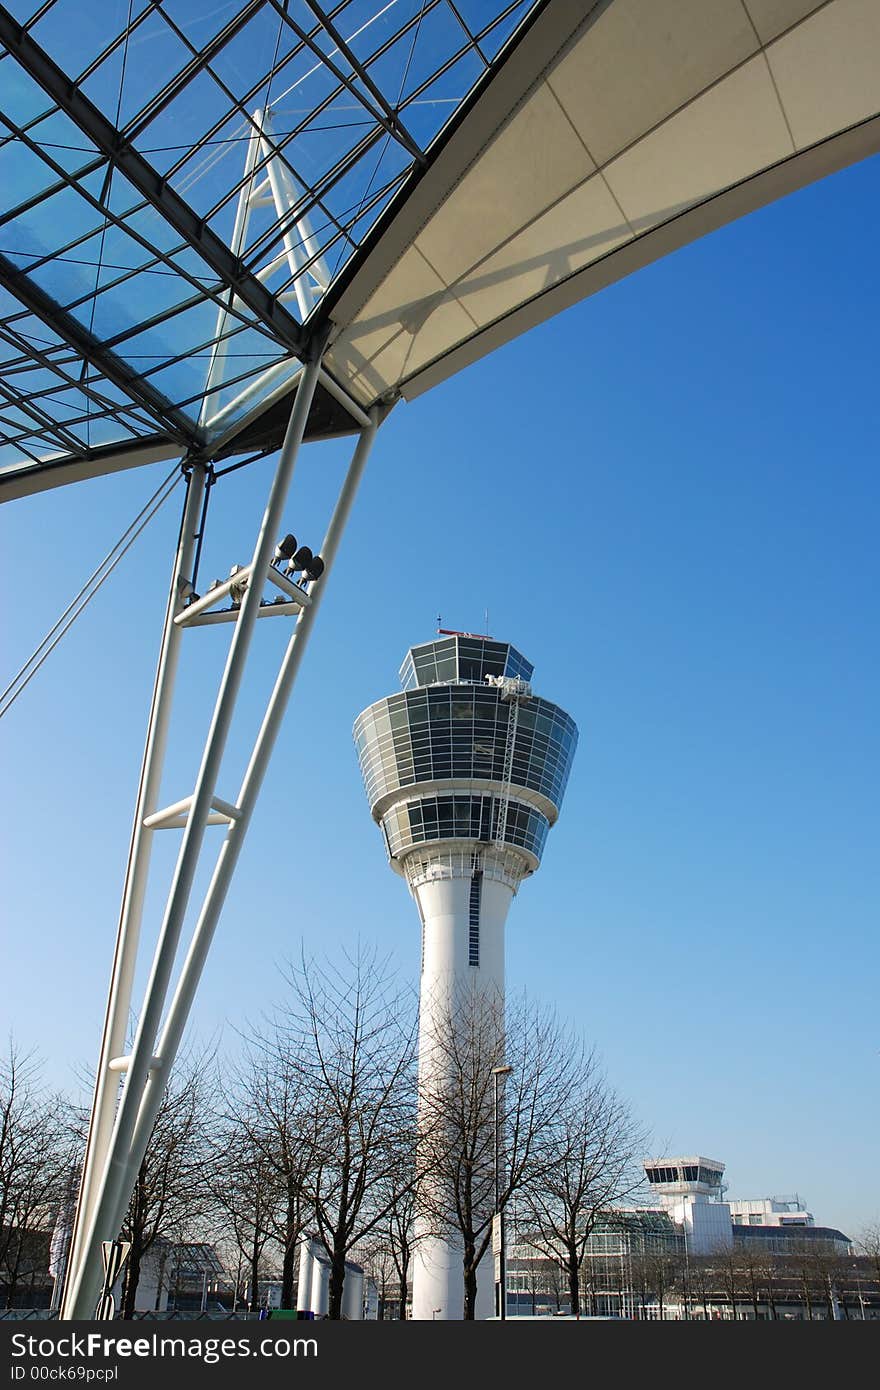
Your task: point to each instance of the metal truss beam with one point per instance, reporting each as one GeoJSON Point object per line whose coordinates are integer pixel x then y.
{"type": "Point", "coordinates": [89, 347]}
{"type": "Point", "coordinates": [150, 184]}
{"type": "Point", "coordinates": [386, 116]}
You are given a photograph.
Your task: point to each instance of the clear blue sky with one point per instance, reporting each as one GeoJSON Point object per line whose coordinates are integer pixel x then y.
{"type": "Point", "coordinates": [668, 499]}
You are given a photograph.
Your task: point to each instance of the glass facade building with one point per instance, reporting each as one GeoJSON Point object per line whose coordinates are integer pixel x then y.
{"type": "Point", "coordinates": [465, 752]}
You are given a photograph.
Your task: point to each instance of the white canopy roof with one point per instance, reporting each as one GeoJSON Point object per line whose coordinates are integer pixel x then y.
{"type": "Point", "coordinates": [616, 132]}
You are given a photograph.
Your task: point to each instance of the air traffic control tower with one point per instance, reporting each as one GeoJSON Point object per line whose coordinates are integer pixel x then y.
{"type": "Point", "coordinates": [465, 773]}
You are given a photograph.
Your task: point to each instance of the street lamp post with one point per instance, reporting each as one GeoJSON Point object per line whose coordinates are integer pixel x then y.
{"type": "Point", "coordinates": [498, 1216]}
{"type": "Point", "coordinates": [687, 1264]}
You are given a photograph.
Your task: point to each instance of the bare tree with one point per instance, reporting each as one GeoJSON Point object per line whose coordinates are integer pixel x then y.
{"type": "Point", "coordinates": [375, 1258]}
{"type": "Point", "coordinates": [869, 1245]}
{"type": "Point", "coordinates": [703, 1281]}
{"type": "Point", "coordinates": [829, 1271]}
{"type": "Point", "coordinates": [641, 1279]}
{"type": "Point", "coordinates": [243, 1192]}
{"type": "Point", "coordinates": [727, 1262]}
{"type": "Point", "coordinates": [752, 1266]}
{"type": "Point", "coordinates": [402, 1238]}
{"type": "Point", "coordinates": [389, 1252]}
{"type": "Point", "coordinates": [36, 1153]}
{"type": "Point", "coordinates": [350, 1034]}
{"type": "Point", "coordinates": [591, 1153]}
{"type": "Point", "coordinates": [656, 1272]}
{"type": "Point", "coordinates": [171, 1192]}
{"type": "Point", "coordinates": [276, 1123]}
{"type": "Point", "coordinates": [769, 1272]}
{"type": "Point", "coordinates": [469, 1037]}
{"type": "Point", "coordinates": [802, 1259]}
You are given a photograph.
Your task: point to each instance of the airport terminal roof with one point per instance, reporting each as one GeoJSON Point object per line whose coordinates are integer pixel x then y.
{"type": "Point", "coordinates": [425, 180]}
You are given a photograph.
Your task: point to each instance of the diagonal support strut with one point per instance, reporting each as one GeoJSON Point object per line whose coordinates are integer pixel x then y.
{"type": "Point", "coordinates": [117, 1142]}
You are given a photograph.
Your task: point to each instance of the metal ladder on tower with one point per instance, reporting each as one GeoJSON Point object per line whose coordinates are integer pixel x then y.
{"type": "Point", "coordinates": [516, 692]}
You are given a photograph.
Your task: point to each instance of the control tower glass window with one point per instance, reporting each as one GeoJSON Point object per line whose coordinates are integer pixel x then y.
{"type": "Point", "coordinates": [452, 758]}
{"type": "Point", "coordinates": [462, 660]}
{"type": "Point", "coordinates": [423, 735]}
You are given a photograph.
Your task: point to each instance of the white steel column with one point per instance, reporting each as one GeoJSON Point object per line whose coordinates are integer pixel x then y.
{"type": "Point", "coordinates": [239, 234]}
{"type": "Point", "coordinates": [112, 1186]}
{"type": "Point", "coordinates": [137, 870]}
{"type": "Point", "coordinates": [247, 798]}
{"type": "Point", "coordinates": [284, 196]}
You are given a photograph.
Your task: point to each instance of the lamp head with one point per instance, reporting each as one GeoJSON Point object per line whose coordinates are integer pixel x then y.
{"type": "Point", "coordinates": [285, 548]}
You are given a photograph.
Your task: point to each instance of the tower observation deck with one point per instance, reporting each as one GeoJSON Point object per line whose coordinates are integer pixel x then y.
{"type": "Point", "coordinates": [433, 762]}
{"type": "Point", "coordinates": [465, 772]}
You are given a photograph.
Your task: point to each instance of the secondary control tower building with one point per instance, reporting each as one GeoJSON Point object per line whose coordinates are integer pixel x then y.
{"type": "Point", "coordinates": [465, 772]}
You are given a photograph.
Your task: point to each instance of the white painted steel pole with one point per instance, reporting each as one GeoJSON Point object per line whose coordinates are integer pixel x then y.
{"type": "Point", "coordinates": [131, 911]}
{"type": "Point", "coordinates": [236, 245]}
{"type": "Point", "coordinates": [285, 198]}
{"type": "Point", "coordinates": [122, 1163]}
{"type": "Point", "coordinates": [250, 789]}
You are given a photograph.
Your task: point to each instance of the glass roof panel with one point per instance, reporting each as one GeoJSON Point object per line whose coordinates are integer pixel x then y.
{"type": "Point", "coordinates": [186, 178]}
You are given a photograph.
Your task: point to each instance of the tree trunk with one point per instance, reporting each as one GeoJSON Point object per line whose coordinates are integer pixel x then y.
{"type": "Point", "coordinates": [470, 1282]}
{"type": "Point", "coordinates": [291, 1240]}
{"type": "Point", "coordinates": [732, 1291]}
{"type": "Point", "coordinates": [337, 1284]}
{"type": "Point", "coordinates": [132, 1275]}
{"type": "Point", "coordinates": [403, 1291]}
{"type": "Point", "coordinates": [287, 1272]}
{"type": "Point", "coordinates": [574, 1285]}
{"type": "Point", "coordinates": [254, 1300]}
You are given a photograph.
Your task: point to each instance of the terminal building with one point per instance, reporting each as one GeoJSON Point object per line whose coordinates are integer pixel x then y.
{"type": "Point", "coordinates": [692, 1192]}
{"type": "Point", "coordinates": [689, 1250]}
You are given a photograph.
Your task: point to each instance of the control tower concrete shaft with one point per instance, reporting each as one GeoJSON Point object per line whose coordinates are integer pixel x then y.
{"type": "Point", "coordinates": [464, 771]}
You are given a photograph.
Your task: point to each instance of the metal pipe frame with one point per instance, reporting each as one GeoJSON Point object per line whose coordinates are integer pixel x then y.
{"type": "Point", "coordinates": [135, 883]}
{"type": "Point", "coordinates": [91, 349]}
{"type": "Point", "coordinates": [116, 1146]}
{"type": "Point", "coordinates": [155, 188]}
{"type": "Point", "coordinates": [300, 254]}
{"type": "Point", "coordinates": [231, 278]}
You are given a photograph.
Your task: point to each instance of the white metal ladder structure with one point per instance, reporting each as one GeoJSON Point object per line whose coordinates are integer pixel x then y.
{"type": "Point", "coordinates": [122, 1122]}
{"type": "Point", "coordinates": [516, 692]}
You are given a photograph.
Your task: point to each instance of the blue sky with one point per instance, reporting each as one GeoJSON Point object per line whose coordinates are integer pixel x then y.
{"type": "Point", "coordinates": [668, 499]}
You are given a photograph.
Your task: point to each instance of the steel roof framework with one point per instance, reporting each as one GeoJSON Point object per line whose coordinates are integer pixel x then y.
{"type": "Point", "coordinates": [146, 174]}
